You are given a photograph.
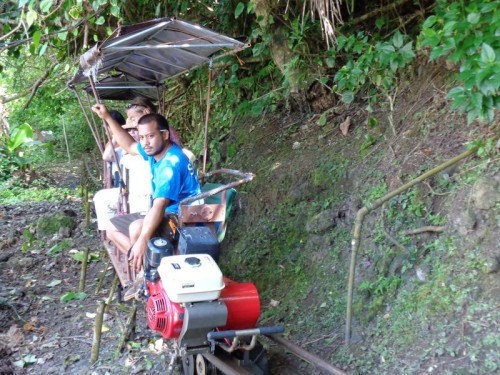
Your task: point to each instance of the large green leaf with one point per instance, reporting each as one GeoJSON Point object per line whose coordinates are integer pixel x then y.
{"type": "Point", "coordinates": [19, 136]}
{"type": "Point", "coordinates": [239, 9]}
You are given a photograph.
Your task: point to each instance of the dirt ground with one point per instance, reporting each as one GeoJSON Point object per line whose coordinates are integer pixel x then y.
{"type": "Point", "coordinates": [40, 333]}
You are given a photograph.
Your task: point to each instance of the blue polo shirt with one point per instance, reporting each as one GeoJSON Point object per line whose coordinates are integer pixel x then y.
{"type": "Point", "coordinates": [172, 177]}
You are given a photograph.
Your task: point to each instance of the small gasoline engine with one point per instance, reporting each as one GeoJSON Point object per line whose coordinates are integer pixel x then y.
{"type": "Point", "coordinates": [190, 301]}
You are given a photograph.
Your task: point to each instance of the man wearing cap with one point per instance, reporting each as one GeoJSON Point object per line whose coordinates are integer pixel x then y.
{"type": "Point", "coordinates": [140, 106]}
{"type": "Point", "coordinates": [173, 179]}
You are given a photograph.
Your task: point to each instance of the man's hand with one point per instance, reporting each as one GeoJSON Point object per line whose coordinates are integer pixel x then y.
{"type": "Point", "coordinates": [137, 254]}
{"type": "Point", "coordinates": [101, 111]}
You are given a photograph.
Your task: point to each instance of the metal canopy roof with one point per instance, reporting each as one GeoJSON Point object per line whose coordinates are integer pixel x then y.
{"type": "Point", "coordinates": [148, 53]}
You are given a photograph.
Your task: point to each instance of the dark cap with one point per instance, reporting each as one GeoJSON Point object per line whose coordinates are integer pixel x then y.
{"type": "Point", "coordinates": [117, 116]}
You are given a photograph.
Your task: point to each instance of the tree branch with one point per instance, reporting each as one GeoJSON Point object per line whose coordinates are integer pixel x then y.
{"type": "Point", "coordinates": [45, 37]}
{"type": "Point", "coordinates": [32, 90]}
{"type": "Point", "coordinates": [18, 26]}
{"type": "Point", "coordinates": [379, 10]}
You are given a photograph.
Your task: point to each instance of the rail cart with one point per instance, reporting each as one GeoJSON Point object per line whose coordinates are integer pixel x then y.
{"type": "Point", "coordinates": [210, 318]}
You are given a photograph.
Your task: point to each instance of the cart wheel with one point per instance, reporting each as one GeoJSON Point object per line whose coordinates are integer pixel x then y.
{"type": "Point", "coordinates": [258, 355]}
{"type": "Point", "coordinates": [201, 365]}
{"type": "Point", "coordinates": [188, 365]}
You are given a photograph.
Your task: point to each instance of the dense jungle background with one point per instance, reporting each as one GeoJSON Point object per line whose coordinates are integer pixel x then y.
{"type": "Point", "coordinates": [334, 105]}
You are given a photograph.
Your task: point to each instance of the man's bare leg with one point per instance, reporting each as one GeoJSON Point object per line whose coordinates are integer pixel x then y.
{"type": "Point", "coordinates": [135, 230]}
{"type": "Point", "coordinates": [121, 241]}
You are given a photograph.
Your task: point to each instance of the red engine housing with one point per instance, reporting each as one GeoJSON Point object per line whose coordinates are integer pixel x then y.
{"type": "Point", "coordinates": [241, 299]}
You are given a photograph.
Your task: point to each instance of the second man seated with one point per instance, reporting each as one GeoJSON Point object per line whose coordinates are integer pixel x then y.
{"type": "Point", "coordinates": [173, 179]}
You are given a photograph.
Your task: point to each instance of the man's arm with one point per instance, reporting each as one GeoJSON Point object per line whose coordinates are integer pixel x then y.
{"type": "Point", "coordinates": [124, 139]}
{"type": "Point", "coordinates": [152, 221]}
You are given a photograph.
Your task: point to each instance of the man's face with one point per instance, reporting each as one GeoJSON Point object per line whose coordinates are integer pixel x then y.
{"type": "Point", "coordinates": [134, 132]}
{"type": "Point", "coordinates": [153, 141]}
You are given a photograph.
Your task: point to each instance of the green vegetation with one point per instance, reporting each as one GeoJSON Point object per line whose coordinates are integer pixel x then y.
{"type": "Point", "coordinates": [292, 232]}
{"type": "Point", "coordinates": [12, 192]}
{"type": "Point", "coordinates": [466, 34]}
{"type": "Point", "coordinates": [415, 296]}
{"type": "Point", "coordinates": [356, 61]}
{"type": "Point", "coordinates": [50, 224]}
{"type": "Point", "coordinates": [69, 296]}
{"type": "Point", "coordinates": [11, 156]}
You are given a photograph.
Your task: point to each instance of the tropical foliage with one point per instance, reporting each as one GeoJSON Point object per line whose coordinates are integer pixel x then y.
{"type": "Point", "coordinates": [357, 51]}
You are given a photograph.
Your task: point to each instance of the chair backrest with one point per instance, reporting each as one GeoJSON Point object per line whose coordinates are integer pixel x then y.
{"type": "Point", "coordinates": [214, 211]}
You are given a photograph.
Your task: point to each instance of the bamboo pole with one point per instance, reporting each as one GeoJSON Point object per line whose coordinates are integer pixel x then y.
{"type": "Point", "coordinates": [129, 327]}
{"type": "Point", "coordinates": [106, 130]}
{"type": "Point", "coordinates": [103, 276]}
{"type": "Point", "coordinates": [360, 215]}
{"type": "Point", "coordinates": [96, 343]}
{"type": "Point", "coordinates": [94, 131]}
{"type": "Point", "coordinates": [66, 139]}
{"type": "Point", "coordinates": [86, 205]}
{"type": "Point", "coordinates": [112, 291]}
{"type": "Point", "coordinates": [83, 273]}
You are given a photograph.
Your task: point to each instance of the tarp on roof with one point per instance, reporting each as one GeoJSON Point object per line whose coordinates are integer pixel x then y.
{"type": "Point", "coordinates": [153, 51]}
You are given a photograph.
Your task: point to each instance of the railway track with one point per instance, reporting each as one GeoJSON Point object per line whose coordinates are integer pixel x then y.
{"type": "Point", "coordinates": [229, 366]}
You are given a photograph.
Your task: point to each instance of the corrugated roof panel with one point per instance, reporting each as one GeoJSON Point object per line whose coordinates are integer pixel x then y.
{"type": "Point", "coordinates": [154, 51]}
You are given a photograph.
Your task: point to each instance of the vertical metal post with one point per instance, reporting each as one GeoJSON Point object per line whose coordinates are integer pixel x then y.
{"type": "Point", "coordinates": [207, 116]}
{"type": "Point", "coordinates": [96, 136]}
{"type": "Point", "coordinates": [108, 134]}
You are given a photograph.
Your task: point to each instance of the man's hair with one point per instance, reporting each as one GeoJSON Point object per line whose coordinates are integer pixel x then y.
{"type": "Point", "coordinates": [142, 102]}
{"type": "Point", "coordinates": [160, 121]}
{"type": "Point", "coordinates": [117, 116]}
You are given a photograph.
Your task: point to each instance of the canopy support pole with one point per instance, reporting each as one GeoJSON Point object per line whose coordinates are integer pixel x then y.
{"type": "Point", "coordinates": [108, 134]}
{"type": "Point", "coordinates": [207, 116]}
{"type": "Point", "coordinates": [100, 134]}
{"type": "Point", "coordinates": [94, 133]}
{"type": "Point", "coordinates": [161, 106]}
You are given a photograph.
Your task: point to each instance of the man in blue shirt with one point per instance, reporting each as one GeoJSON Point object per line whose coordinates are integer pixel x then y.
{"type": "Point", "coordinates": [173, 179]}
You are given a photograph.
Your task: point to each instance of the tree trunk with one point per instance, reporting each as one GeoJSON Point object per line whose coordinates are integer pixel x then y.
{"type": "Point", "coordinates": [281, 53]}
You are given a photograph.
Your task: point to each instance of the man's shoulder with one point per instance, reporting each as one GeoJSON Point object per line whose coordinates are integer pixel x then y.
{"type": "Point", "coordinates": [175, 149]}
{"type": "Point", "coordinates": [176, 152]}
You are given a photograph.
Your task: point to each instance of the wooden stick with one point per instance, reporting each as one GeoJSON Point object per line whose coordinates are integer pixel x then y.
{"type": "Point", "coordinates": [83, 273]}
{"type": "Point", "coordinates": [66, 139]}
{"type": "Point", "coordinates": [378, 10]}
{"type": "Point", "coordinates": [422, 230]}
{"type": "Point", "coordinates": [116, 280]}
{"type": "Point", "coordinates": [96, 343]}
{"type": "Point", "coordinates": [129, 327]}
{"type": "Point", "coordinates": [103, 276]}
{"type": "Point", "coordinates": [387, 234]}
{"type": "Point", "coordinates": [87, 207]}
